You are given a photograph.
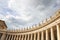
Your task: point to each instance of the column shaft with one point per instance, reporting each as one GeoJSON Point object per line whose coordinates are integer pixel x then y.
{"type": "Point", "coordinates": [14, 37]}
{"type": "Point", "coordinates": [38, 38]}
{"type": "Point", "coordinates": [58, 32]}
{"type": "Point", "coordinates": [31, 36]}
{"type": "Point", "coordinates": [22, 37]}
{"type": "Point", "coordinates": [34, 36]}
{"type": "Point", "coordinates": [0, 36]}
{"type": "Point", "coordinates": [42, 35]}
{"type": "Point", "coordinates": [11, 37]}
{"type": "Point", "coordinates": [25, 37]}
{"type": "Point", "coordinates": [47, 36]}
{"type": "Point", "coordinates": [19, 37]}
{"type": "Point", "coordinates": [3, 36]}
{"type": "Point", "coordinates": [7, 37]}
{"type": "Point", "coordinates": [52, 34]}
{"type": "Point", "coordinates": [28, 37]}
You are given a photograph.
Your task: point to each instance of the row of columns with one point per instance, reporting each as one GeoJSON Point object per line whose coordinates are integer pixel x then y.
{"type": "Point", "coordinates": [34, 36]}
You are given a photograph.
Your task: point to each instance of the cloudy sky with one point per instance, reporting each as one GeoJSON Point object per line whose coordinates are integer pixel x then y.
{"type": "Point", "coordinates": [20, 14]}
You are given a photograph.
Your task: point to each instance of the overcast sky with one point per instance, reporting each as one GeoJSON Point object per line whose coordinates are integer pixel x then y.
{"type": "Point", "coordinates": [24, 13]}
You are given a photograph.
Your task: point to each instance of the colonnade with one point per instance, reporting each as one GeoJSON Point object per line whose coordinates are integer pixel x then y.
{"type": "Point", "coordinates": [52, 33]}
{"type": "Point", "coordinates": [49, 31]}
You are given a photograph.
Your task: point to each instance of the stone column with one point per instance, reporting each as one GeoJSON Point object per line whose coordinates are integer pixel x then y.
{"type": "Point", "coordinates": [19, 37]}
{"type": "Point", "coordinates": [11, 37]}
{"type": "Point", "coordinates": [58, 32]}
{"type": "Point", "coordinates": [28, 37]}
{"type": "Point", "coordinates": [25, 36]}
{"type": "Point", "coordinates": [3, 36]}
{"type": "Point", "coordinates": [47, 36]}
{"type": "Point", "coordinates": [52, 34]}
{"type": "Point", "coordinates": [14, 37]}
{"type": "Point", "coordinates": [7, 37]}
{"type": "Point", "coordinates": [38, 38]}
{"type": "Point", "coordinates": [42, 35]}
{"type": "Point", "coordinates": [0, 35]}
{"type": "Point", "coordinates": [34, 36]}
{"type": "Point", "coordinates": [31, 36]}
{"type": "Point", "coordinates": [22, 37]}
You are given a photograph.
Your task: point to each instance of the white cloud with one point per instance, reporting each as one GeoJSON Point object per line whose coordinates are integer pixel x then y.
{"type": "Point", "coordinates": [10, 2]}
{"type": "Point", "coordinates": [25, 18]}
